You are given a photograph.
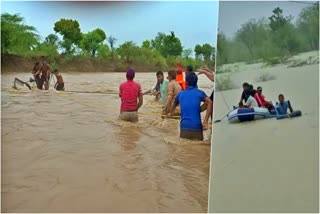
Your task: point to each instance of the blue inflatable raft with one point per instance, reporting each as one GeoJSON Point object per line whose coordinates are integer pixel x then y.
{"type": "Point", "coordinates": [249, 114]}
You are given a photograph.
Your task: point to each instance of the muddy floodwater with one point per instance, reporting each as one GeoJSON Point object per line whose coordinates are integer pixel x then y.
{"type": "Point", "coordinates": [68, 152]}
{"type": "Point", "coordinates": [268, 166]}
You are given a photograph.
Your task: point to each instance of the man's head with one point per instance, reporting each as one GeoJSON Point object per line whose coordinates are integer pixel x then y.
{"type": "Point", "coordinates": [171, 75]}
{"type": "Point", "coordinates": [189, 69]}
{"type": "Point", "coordinates": [43, 59]}
{"type": "Point", "coordinates": [259, 90]}
{"type": "Point", "coordinates": [192, 79]}
{"type": "Point", "coordinates": [245, 86]}
{"type": "Point", "coordinates": [160, 76]}
{"type": "Point", "coordinates": [56, 71]}
{"type": "Point", "coordinates": [130, 74]}
{"type": "Point", "coordinates": [281, 98]}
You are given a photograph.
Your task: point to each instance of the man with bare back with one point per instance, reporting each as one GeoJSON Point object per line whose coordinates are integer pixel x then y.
{"type": "Point", "coordinates": [45, 74]}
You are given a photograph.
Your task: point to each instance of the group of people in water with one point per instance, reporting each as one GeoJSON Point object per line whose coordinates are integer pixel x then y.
{"type": "Point", "coordinates": [253, 98]}
{"type": "Point", "coordinates": [41, 72]}
{"type": "Point", "coordinates": [180, 96]}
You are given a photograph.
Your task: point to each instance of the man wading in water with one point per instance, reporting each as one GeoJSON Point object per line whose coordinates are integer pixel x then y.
{"type": "Point", "coordinates": [190, 101]}
{"type": "Point", "coordinates": [59, 86]}
{"type": "Point", "coordinates": [173, 89]}
{"type": "Point", "coordinates": [131, 98]}
{"type": "Point", "coordinates": [45, 75]}
{"type": "Point", "coordinates": [36, 74]}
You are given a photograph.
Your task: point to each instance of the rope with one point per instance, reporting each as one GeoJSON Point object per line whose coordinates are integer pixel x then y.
{"type": "Point", "coordinates": [102, 106]}
{"type": "Point", "coordinates": [91, 92]}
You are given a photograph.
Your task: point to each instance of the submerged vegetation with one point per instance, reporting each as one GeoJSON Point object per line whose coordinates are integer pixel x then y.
{"type": "Point", "coordinates": [71, 44]}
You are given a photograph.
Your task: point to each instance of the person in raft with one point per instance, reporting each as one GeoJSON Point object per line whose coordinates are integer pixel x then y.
{"type": "Point", "coordinates": [262, 102]}
{"type": "Point", "coordinates": [160, 89]}
{"type": "Point", "coordinates": [248, 97]}
{"type": "Point", "coordinates": [131, 98]}
{"type": "Point", "coordinates": [190, 101]}
{"type": "Point", "coordinates": [59, 86]}
{"type": "Point", "coordinates": [173, 89]}
{"type": "Point", "coordinates": [282, 109]}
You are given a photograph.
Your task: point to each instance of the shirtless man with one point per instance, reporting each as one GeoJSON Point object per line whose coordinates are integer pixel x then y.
{"type": "Point", "coordinates": [45, 74]}
{"type": "Point", "coordinates": [36, 74]}
{"type": "Point", "coordinates": [59, 86]}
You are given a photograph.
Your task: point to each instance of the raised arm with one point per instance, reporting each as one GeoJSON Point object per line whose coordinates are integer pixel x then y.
{"type": "Point", "coordinates": [209, 74]}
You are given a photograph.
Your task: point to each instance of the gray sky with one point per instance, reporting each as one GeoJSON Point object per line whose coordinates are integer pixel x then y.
{"type": "Point", "coordinates": [232, 14]}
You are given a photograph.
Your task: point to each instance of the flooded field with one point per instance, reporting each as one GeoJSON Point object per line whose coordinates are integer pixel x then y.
{"type": "Point", "coordinates": [68, 152]}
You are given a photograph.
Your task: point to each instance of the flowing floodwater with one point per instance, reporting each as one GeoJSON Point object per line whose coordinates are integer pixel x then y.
{"type": "Point", "coordinates": [68, 152]}
{"type": "Point", "coordinates": [268, 165]}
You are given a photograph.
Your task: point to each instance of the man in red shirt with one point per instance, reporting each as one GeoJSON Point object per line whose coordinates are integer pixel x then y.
{"type": "Point", "coordinates": [131, 98]}
{"type": "Point", "coordinates": [261, 99]}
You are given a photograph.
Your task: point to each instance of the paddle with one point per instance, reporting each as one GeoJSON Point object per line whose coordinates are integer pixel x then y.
{"type": "Point", "coordinates": [217, 121]}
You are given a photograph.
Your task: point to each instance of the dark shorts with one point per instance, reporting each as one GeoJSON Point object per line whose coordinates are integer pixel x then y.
{"type": "Point", "coordinates": [60, 87]}
{"type": "Point", "coordinates": [191, 135]}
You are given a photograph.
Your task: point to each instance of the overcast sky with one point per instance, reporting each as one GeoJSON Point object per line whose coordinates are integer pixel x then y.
{"type": "Point", "coordinates": [232, 14]}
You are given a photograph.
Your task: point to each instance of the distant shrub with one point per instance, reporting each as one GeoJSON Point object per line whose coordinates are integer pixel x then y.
{"type": "Point", "coordinates": [263, 77]}
{"type": "Point", "coordinates": [221, 70]}
{"type": "Point", "coordinates": [223, 83]}
{"type": "Point", "coordinates": [275, 60]}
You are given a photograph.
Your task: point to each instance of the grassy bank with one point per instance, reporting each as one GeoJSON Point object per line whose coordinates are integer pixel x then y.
{"type": "Point", "coordinates": [14, 63]}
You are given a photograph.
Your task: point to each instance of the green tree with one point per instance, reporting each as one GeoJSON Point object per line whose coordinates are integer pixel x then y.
{"type": "Point", "coordinates": [207, 51]}
{"type": "Point", "coordinates": [16, 37]}
{"type": "Point", "coordinates": [157, 42]}
{"type": "Point", "coordinates": [112, 41]}
{"type": "Point", "coordinates": [70, 30]}
{"type": "Point", "coordinates": [187, 53]}
{"type": "Point", "coordinates": [283, 32]}
{"type": "Point", "coordinates": [167, 45]}
{"type": "Point", "coordinates": [91, 41]}
{"type": "Point", "coordinates": [52, 39]}
{"type": "Point", "coordinates": [146, 44]}
{"type": "Point", "coordinates": [103, 51]}
{"type": "Point", "coordinates": [222, 49]}
{"type": "Point", "coordinates": [308, 26]}
{"type": "Point", "coordinates": [128, 51]}
{"type": "Point", "coordinates": [198, 51]}
{"type": "Point", "coordinates": [45, 49]}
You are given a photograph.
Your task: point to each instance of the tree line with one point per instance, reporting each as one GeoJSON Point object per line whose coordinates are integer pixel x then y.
{"type": "Point", "coordinates": [271, 39]}
{"type": "Point", "coordinates": [164, 50]}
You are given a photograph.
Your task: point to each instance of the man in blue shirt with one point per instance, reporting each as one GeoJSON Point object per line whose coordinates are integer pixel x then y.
{"type": "Point", "coordinates": [190, 101]}
{"type": "Point", "coordinates": [282, 107]}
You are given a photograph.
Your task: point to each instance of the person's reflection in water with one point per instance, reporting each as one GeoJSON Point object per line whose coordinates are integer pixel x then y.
{"type": "Point", "coordinates": [128, 138]}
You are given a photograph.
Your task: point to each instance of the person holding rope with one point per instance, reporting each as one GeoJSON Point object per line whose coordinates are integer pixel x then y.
{"type": "Point", "coordinates": [131, 98]}
{"type": "Point", "coordinates": [173, 89]}
{"type": "Point", "coordinates": [160, 88]}
{"type": "Point", "coordinates": [45, 75]}
{"type": "Point", "coordinates": [190, 101]}
{"type": "Point", "coordinates": [36, 70]}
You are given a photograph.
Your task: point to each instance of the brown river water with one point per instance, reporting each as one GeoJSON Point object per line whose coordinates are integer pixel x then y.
{"type": "Point", "coordinates": [68, 152]}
